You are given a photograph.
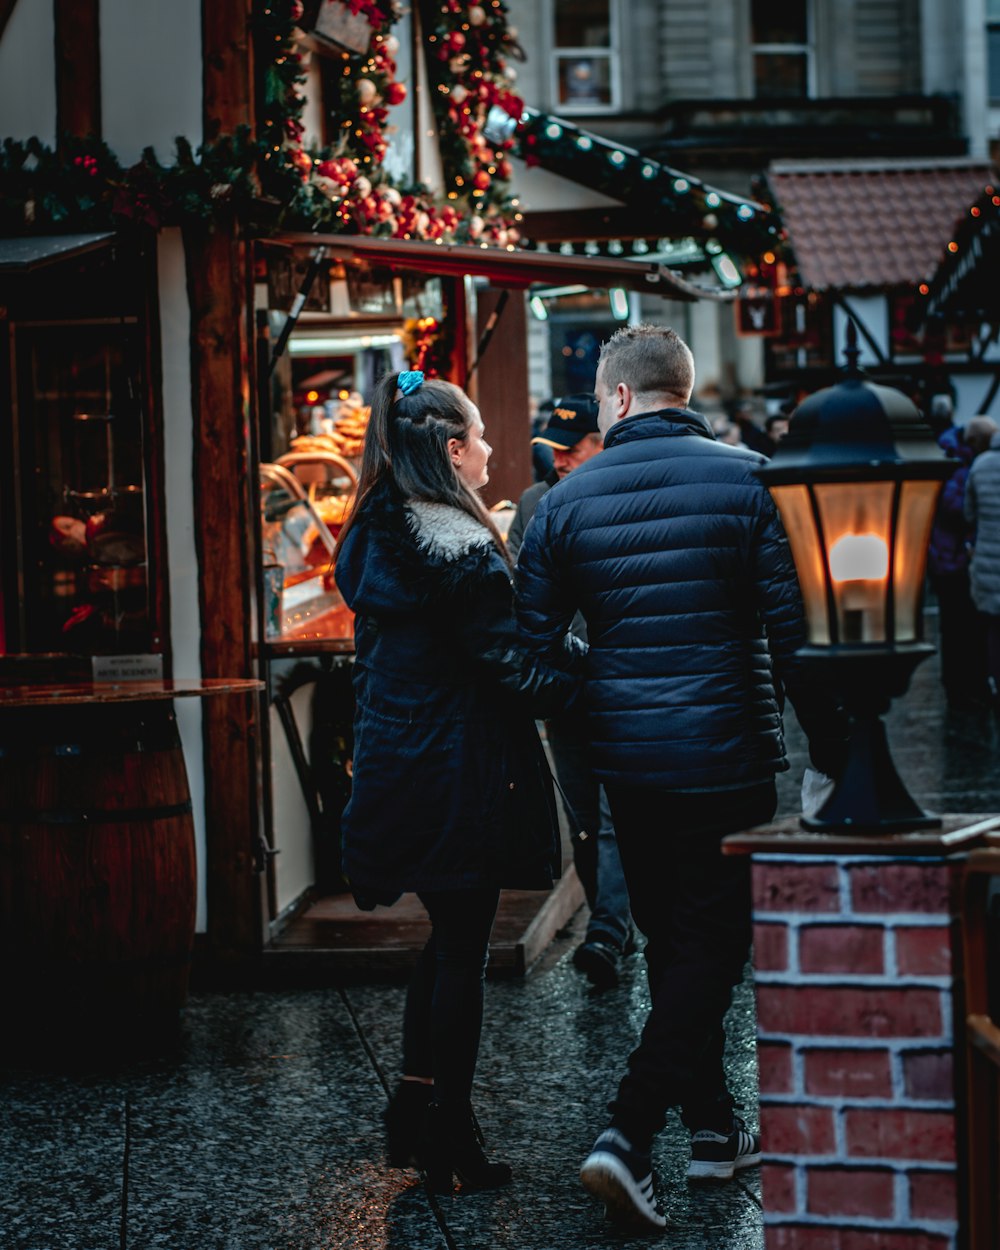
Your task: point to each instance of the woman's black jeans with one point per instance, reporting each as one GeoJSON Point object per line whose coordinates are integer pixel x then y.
{"type": "Point", "coordinates": [444, 1000]}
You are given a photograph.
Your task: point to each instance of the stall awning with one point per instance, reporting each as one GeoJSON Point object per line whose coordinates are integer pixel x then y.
{"type": "Point", "coordinates": [28, 252]}
{"type": "Point", "coordinates": [512, 269]}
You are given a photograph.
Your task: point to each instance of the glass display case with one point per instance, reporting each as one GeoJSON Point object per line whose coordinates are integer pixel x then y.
{"type": "Point", "coordinates": [75, 542]}
{"type": "Point", "coordinates": [357, 323]}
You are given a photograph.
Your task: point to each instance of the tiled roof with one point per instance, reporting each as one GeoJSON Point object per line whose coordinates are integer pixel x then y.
{"type": "Point", "coordinates": [855, 224]}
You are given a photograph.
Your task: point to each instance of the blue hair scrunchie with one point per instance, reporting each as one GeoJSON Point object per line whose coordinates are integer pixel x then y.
{"type": "Point", "coordinates": [410, 380]}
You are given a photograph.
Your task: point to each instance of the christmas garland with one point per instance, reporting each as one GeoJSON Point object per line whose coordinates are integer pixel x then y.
{"type": "Point", "coordinates": [270, 179]}
{"type": "Point", "coordinates": [470, 49]}
{"type": "Point", "coordinates": [84, 186]}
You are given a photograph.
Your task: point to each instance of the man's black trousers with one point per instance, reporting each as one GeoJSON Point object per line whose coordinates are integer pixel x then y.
{"type": "Point", "coordinates": [692, 903]}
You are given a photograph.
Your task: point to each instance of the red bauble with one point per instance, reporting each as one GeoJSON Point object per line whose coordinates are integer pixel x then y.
{"type": "Point", "coordinates": [395, 93]}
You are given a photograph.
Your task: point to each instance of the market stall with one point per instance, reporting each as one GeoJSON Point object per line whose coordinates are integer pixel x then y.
{"type": "Point", "coordinates": [339, 313]}
{"type": "Point", "coordinates": [198, 292]}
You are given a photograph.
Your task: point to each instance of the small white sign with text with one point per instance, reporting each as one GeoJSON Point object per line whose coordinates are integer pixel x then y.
{"type": "Point", "coordinates": [116, 668]}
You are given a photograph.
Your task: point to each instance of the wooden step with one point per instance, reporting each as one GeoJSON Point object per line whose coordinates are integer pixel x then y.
{"type": "Point", "coordinates": [334, 939]}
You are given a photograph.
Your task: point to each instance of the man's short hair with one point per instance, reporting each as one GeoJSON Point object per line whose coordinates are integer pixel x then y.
{"type": "Point", "coordinates": [650, 360]}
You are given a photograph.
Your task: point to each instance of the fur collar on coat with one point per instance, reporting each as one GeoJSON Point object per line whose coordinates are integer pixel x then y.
{"type": "Point", "coordinates": [402, 555]}
{"type": "Point", "coordinates": [444, 533]}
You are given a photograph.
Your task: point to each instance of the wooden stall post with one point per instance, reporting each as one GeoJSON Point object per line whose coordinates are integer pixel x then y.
{"type": "Point", "coordinates": [502, 386]}
{"type": "Point", "coordinates": [218, 271]}
{"type": "Point", "coordinates": [216, 266]}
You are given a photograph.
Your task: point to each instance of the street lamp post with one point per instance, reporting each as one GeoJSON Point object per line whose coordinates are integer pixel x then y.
{"type": "Point", "coordinates": [856, 481]}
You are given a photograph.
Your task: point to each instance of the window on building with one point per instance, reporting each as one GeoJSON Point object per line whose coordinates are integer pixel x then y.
{"type": "Point", "coordinates": [585, 55]}
{"type": "Point", "coordinates": [993, 48]}
{"type": "Point", "coordinates": [780, 46]}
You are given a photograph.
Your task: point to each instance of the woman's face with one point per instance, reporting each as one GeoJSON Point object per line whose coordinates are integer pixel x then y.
{"type": "Point", "coordinates": [471, 457]}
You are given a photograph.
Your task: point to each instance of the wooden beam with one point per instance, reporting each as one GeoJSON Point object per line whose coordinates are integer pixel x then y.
{"type": "Point", "coordinates": [219, 284]}
{"type": "Point", "coordinates": [217, 288]}
{"type": "Point", "coordinates": [502, 389]}
{"type": "Point", "coordinates": [581, 225]}
{"type": "Point", "coordinates": [227, 73]}
{"type": "Point", "coordinates": [78, 67]}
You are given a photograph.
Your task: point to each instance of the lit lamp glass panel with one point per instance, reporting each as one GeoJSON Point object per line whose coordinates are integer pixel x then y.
{"type": "Point", "coordinates": [857, 521]}
{"type": "Point", "coordinates": [917, 504]}
{"type": "Point", "coordinates": [796, 513]}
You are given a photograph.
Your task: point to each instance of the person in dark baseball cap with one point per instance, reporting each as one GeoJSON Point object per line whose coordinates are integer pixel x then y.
{"type": "Point", "coordinates": [573, 435]}
{"type": "Point", "coordinates": [571, 432]}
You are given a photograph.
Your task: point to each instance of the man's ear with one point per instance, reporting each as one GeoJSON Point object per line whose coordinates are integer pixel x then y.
{"type": "Point", "coordinates": [623, 400]}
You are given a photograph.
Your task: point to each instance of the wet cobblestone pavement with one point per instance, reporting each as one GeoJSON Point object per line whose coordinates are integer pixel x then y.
{"type": "Point", "coordinates": [260, 1127]}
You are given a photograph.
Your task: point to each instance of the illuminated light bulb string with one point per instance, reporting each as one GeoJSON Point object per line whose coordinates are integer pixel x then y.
{"type": "Point", "coordinates": [727, 224]}
{"type": "Point", "coordinates": [960, 254]}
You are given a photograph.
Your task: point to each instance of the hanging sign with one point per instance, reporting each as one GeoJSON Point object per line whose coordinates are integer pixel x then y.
{"type": "Point", "coordinates": [758, 313]}
{"type": "Point", "coordinates": [336, 23]}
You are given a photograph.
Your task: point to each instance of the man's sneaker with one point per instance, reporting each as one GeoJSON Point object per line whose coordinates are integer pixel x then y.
{"type": "Point", "coordinates": [598, 961]}
{"type": "Point", "coordinates": [623, 1179]}
{"type": "Point", "coordinates": [716, 1156]}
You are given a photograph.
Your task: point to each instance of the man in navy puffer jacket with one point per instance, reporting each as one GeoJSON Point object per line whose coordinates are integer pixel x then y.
{"type": "Point", "coordinates": [672, 549]}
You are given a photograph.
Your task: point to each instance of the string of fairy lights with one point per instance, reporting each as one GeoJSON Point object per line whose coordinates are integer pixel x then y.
{"type": "Point", "coordinates": [723, 223]}
{"type": "Point", "coordinates": [964, 283]}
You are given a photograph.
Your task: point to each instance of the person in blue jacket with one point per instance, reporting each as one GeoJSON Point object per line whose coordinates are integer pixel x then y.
{"type": "Point", "coordinates": [672, 549]}
{"type": "Point", "coordinates": [451, 796]}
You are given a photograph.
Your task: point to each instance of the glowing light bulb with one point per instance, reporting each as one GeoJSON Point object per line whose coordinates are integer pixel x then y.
{"type": "Point", "coordinates": [859, 557]}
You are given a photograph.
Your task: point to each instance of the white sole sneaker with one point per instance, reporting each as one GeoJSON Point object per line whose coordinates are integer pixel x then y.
{"type": "Point", "coordinates": [628, 1202]}
{"type": "Point", "coordinates": [699, 1170]}
{"type": "Point", "coordinates": [733, 1152]}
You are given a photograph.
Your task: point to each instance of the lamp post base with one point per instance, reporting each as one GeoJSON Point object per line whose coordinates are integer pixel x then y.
{"type": "Point", "coordinates": [870, 797]}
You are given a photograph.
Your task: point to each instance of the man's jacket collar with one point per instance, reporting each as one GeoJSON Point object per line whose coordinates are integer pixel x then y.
{"type": "Point", "coordinates": [664, 422]}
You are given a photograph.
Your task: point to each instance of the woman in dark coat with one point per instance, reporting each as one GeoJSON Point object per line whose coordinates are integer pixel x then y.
{"type": "Point", "coordinates": [451, 796]}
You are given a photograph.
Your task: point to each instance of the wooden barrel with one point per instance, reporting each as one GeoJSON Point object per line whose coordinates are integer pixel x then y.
{"type": "Point", "coordinates": [97, 863]}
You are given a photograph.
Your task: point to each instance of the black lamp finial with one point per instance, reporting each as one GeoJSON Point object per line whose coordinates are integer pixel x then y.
{"type": "Point", "coordinates": [852, 353]}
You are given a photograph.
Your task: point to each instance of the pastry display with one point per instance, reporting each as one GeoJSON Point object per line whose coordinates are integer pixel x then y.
{"type": "Point", "coordinates": [346, 433]}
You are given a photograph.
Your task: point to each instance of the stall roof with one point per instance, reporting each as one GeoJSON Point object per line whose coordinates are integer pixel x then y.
{"type": "Point", "coordinates": [518, 268]}
{"type": "Point", "coordinates": [872, 224]}
{"type": "Point", "coordinates": [27, 252]}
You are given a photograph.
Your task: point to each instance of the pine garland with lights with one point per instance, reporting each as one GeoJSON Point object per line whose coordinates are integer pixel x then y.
{"type": "Point", "coordinates": [722, 222]}
{"type": "Point", "coordinates": [428, 344]}
{"type": "Point", "coordinates": [270, 180]}
{"type": "Point", "coordinates": [470, 50]}
{"type": "Point", "coordinates": [333, 189]}
{"type": "Point", "coordinates": [84, 185]}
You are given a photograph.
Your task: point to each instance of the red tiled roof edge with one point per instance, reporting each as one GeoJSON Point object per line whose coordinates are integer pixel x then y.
{"type": "Point", "coordinates": [871, 226]}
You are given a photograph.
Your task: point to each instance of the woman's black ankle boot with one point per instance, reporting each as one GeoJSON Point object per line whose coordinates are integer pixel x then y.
{"type": "Point", "coordinates": [405, 1123]}
{"type": "Point", "coordinates": [454, 1149]}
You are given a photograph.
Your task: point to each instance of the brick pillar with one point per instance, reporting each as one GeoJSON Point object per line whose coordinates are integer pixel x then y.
{"type": "Point", "coordinates": [855, 965]}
